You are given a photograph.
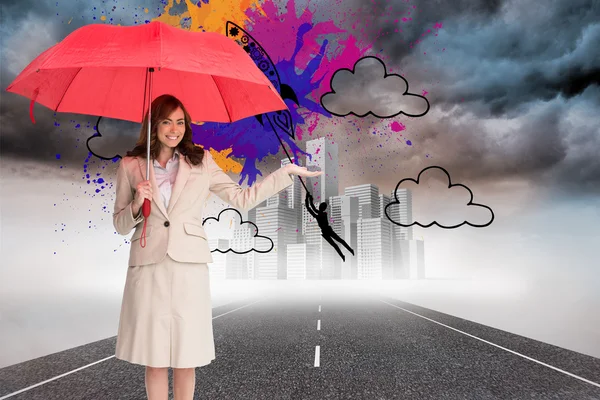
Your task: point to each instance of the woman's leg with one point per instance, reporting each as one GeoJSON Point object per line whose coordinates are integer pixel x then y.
{"type": "Point", "coordinates": [184, 381]}
{"type": "Point", "coordinates": [157, 383]}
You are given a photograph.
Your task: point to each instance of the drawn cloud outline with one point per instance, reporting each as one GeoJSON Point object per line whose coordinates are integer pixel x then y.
{"type": "Point", "coordinates": [450, 185]}
{"type": "Point", "coordinates": [241, 223]}
{"type": "Point", "coordinates": [97, 134]}
{"type": "Point", "coordinates": [406, 93]}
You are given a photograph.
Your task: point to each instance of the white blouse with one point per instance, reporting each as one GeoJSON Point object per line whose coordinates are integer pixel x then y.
{"type": "Point", "coordinates": [165, 177]}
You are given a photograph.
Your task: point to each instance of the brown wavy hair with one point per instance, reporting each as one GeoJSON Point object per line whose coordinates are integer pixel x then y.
{"type": "Point", "coordinates": [162, 107]}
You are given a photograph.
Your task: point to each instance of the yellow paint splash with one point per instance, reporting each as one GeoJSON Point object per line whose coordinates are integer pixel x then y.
{"type": "Point", "coordinates": [212, 16]}
{"type": "Point", "coordinates": [102, 18]}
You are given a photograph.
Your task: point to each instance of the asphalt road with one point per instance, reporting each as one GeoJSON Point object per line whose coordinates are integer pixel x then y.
{"type": "Point", "coordinates": [325, 348]}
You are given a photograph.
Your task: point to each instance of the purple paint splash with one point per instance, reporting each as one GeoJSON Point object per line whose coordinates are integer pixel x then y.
{"type": "Point", "coordinates": [301, 55]}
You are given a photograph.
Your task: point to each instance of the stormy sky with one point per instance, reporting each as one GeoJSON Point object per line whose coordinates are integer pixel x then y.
{"type": "Point", "coordinates": [514, 92]}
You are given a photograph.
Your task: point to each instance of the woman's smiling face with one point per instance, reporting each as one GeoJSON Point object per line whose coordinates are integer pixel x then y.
{"type": "Point", "coordinates": [170, 130]}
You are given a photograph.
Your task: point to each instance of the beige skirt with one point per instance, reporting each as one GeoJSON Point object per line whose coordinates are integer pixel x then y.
{"type": "Point", "coordinates": [166, 316]}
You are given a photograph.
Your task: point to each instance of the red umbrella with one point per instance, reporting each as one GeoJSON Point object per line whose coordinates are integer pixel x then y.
{"type": "Point", "coordinates": [116, 72]}
{"type": "Point", "coordinates": [103, 70]}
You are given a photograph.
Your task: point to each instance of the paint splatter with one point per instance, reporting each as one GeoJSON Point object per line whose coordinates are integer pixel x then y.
{"type": "Point", "coordinates": [305, 57]}
{"type": "Point", "coordinates": [306, 51]}
{"type": "Point", "coordinates": [397, 126]}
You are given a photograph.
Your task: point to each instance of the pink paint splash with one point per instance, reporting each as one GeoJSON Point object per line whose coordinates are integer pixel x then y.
{"type": "Point", "coordinates": [278, 32]}
{"type": "Point", "coordinates": [397, 126]}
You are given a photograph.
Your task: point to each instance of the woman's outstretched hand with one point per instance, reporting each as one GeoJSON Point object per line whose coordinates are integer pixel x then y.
{"type": "Point", "coordinates": [301, 171]}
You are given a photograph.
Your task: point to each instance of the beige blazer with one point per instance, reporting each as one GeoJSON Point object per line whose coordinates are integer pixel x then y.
{"type": "Point", "coordinates": [178, 230]}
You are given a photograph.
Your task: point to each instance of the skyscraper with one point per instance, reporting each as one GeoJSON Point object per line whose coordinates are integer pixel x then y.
{"type": "Point", "coordinates": [279, 224]}
{"type": "Point", "coordinates": [242, 240]}
{"type": "Point", "coordinates": [252, 211]}
{"type": "Point", "coordinates": [401, 213]}
{"type": "Point", "coordinates": [349, 217]}
{"type": "Point", "coordinates": [417, 259]}
{"type": "Point", "coordinates": [383, 201]}
{"type": "Point", "coordinates": [294, 199]}
{"type": "Point", "coordinates": [294, 192]}
{"type": "Point", "coordinates": [374, 248]}
{"type": "Point", "coordinates": [335, 214]}
{"type": "Point", "coordinates": [368, 199]}
{"type": "Point", "coordinates": [324, 158]}
{"type": "Point", "coordinates": [408, 253]}
{"type": "Point", "coordinates": [302, 261]}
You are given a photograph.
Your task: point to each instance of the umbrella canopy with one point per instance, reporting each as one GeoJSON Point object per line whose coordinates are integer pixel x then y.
{"type": "Point", "coordinates": [103, 70]}
{"type": "Point", "coordinates": [117, 71]}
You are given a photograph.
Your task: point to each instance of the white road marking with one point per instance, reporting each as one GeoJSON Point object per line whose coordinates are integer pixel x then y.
{"type": "Point", "coordinates": [318, 324]}
{"type": "Point", "coordinates": [319, 308]}
{"type": "Point", "coordinates": [53, 379]}
{"type": "Point", "coordinates": [500, 347]}
{"type": "Point", "coordinates": [239, 308]}
{"type": "Point", "coordinates": [96, 362]}
{"type": "Point", "coordinates": [317, 356]}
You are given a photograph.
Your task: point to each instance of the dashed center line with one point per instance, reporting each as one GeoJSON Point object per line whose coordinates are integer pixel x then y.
{"type": "Point", "coordinates": [318, 348]}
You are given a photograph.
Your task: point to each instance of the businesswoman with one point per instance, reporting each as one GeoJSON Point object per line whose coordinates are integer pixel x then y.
{"type": "Point", "coordinates": [166, 314]}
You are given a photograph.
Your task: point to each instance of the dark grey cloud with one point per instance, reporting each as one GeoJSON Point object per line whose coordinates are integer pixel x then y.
{"type": "Point", "coordinates": [497, 53]}
{"type": "Point", "coordinates": [514, 91]}
{"type": "Point", "coordinates": [381, 16]}
{"type": "Point", "coordinates": [552, 145]}
{"type": "Point", "coordinates": [59, 134]}
{"type": "Point", "coordinates": [27, 29]}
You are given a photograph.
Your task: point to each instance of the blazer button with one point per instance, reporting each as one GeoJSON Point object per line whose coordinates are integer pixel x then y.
{"type": "Point", "coordinates": [166, 223]}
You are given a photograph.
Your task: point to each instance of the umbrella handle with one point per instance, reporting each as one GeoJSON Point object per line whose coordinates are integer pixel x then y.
{"type": "Point", "coordinates": [145, 212]}
{"type": "Point", "coordinates": [146, 208]}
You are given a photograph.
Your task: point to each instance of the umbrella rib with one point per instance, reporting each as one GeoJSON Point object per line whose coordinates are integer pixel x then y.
{"type": "Point", "coordinates": [65, 92]}
{"type": "Point", "coordinates": [224, 105]}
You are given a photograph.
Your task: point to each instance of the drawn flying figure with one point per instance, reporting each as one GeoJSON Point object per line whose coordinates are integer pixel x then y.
{"type": "Point", "coordinates": [326, 231]}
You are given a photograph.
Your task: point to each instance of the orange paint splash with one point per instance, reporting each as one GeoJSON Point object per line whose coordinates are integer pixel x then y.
{"type": "Point", "coordinates": [226, 164]}
{"type": "Point", "coordinates": [210, 17]}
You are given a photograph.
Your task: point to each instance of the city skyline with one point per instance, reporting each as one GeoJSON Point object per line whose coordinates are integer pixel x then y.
{"type": "Point", "coordinates": [383, 250]}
